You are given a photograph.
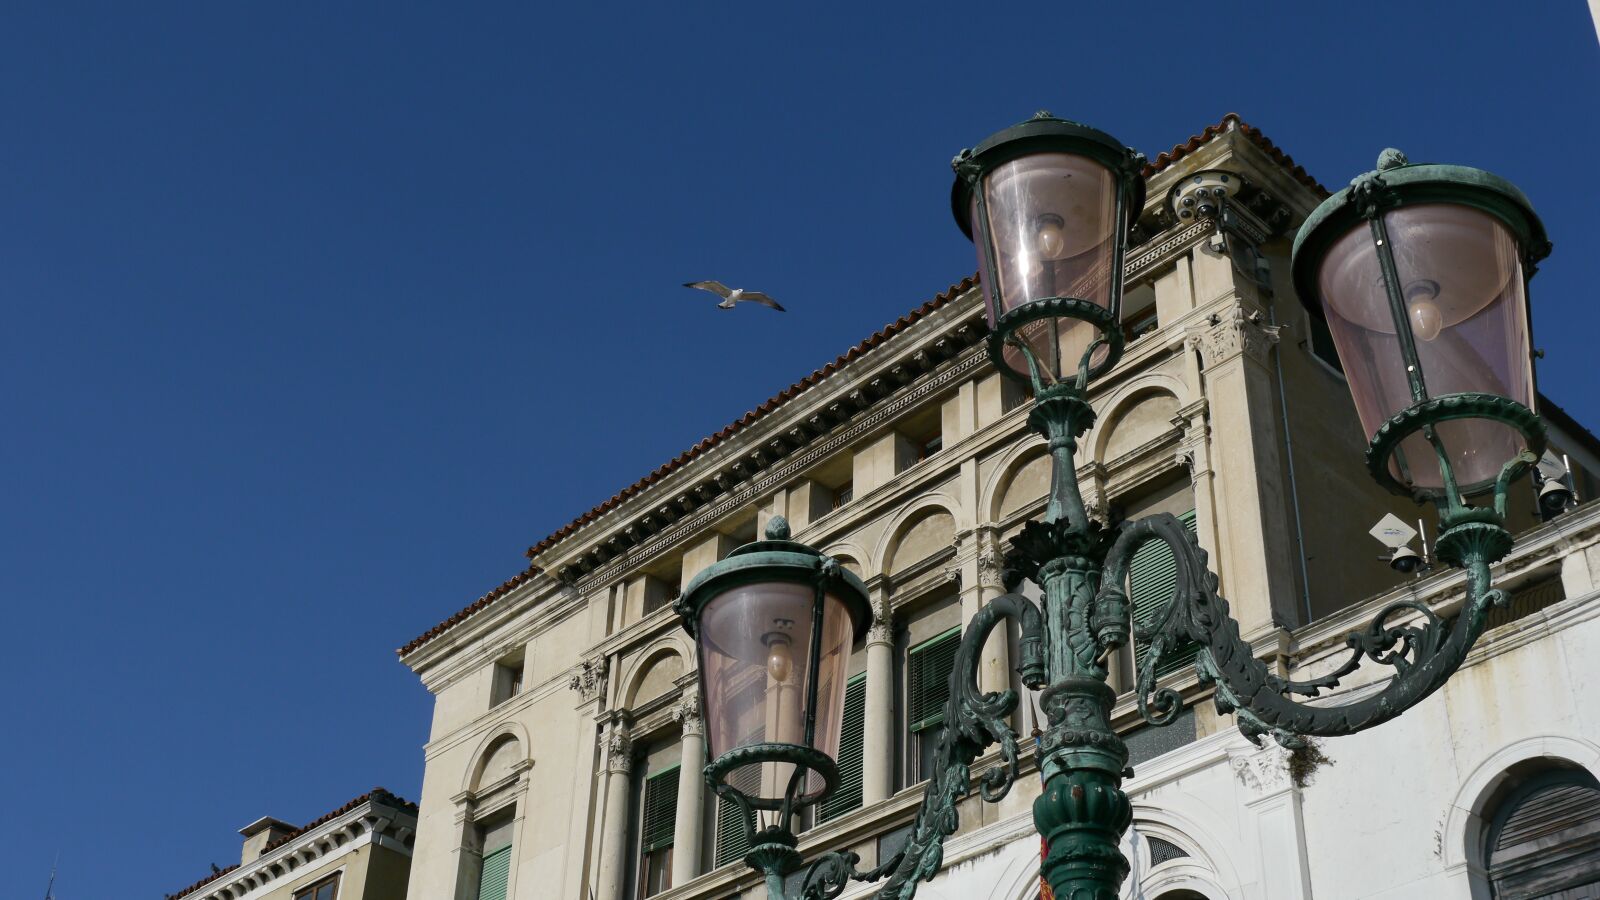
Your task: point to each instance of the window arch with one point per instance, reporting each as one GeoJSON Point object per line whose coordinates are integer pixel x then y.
{"type": "Point", "coordinates": [1543, 840]}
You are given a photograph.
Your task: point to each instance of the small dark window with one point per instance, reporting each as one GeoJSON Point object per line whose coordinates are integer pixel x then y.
{"type": "Point", "coordinates": [326, 889]}
{"type": "Point", "coordinates": [1140, 325]}
{"type": "Point", "coordinates": [1013, 394]}
{"type": "Point", "coordinates": [930, 447]}
{"type": "Point", "coordinates": [843, 494]}
{"type": "Point", "coordinates": [507, 679]}
{"type": "Point", "coordinates": [654, 600]}
{"type": "Point", "coordinates": [1322, 346]}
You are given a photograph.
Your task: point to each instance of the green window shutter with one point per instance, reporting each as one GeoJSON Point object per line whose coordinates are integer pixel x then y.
{"type": "Point", "coordinates": [928, 668]}
{"type": "Point", "coordinates": [1152, 577]}
{"type": "Point", "coordinates": [660, 810]}
{"type": "Point", "coordinates": [852, 742]}
{"type": "Point", "coordinates": [496, 872]}
{"type": "Point", "coordinates": [733, 840]}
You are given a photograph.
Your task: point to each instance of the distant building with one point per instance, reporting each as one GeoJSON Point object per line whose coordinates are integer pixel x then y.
{"type": "Point", "coordinates": [360, 851]}
{"type": "Point", "coordinates": [566, 750]}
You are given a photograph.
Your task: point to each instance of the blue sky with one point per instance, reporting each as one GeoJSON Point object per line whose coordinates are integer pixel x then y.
{"type": "Point", "coordinates": [317, 315]}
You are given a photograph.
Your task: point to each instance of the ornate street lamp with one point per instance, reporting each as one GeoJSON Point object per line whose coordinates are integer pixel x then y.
{"type": "Point", "coordinates": [1421, 271]}
{"type": "Point", "coordinates": [773, 625]}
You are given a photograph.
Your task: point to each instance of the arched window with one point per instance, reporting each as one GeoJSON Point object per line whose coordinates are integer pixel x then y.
{"type": "Point", "coordinates": [1544, 837]}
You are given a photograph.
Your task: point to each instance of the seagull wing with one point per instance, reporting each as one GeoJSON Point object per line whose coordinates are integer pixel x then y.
{"type": "Point", "coordinates": [715, 287]}
{"type": "Point", "coordinates": [763, 299]}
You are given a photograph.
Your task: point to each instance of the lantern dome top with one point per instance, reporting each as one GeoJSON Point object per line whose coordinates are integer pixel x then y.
{"type": "Point", "coordinates": [1399, 182]}
{"type": "Point", "coordinates": [777, 558]}
{"type": "Point", "coordinates": [1044, 133]}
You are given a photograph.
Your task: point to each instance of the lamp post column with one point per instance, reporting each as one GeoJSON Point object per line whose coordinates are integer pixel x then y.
{"type": "Point", "coordinates": [614, 840]}
{"type": "Point", "coordinates": [691, 789]}
{"type": "Point", "coordinates": [1082, 813]}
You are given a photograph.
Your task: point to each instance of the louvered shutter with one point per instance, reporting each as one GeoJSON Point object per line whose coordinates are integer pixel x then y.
{"type": "Point", "coordinates": [496, 872]}
{"type": "Point", "coordinates": [1152, 576]}
{"type": "Point", "coordinates": [851, 744]}
{"type": "Point", "coordinates": [660, 810]}
{"type": "Point", "coordinates": [928, 668]}
{"type": "Point", "coordinates": [733, 840]}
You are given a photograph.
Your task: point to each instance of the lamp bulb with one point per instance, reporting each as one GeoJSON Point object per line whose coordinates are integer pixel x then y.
{"type": "Point", "coordinates": [1426, 320]}
{"type": "Point", "coordinates": [779, 661]}
{"type": "Point", "coordinates": [1050, 237]}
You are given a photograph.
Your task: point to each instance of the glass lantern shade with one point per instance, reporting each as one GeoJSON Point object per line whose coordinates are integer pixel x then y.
{"type": "Point", "coordinates": [755, 647]}
{"type": "Point", "coordinates": [774, 624]}
{"type": "Point", "coordinates": [1460, 275]}
{"type": "Point", "coordinates": [1051, 219]}
{"type": "Point", "coordinates": [1048, 204]}
{"type": "Point", "coordinates": [1421, 272]}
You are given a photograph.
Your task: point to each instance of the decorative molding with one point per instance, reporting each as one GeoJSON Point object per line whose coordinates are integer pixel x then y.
{"type": "Point", "coordinates": [952, 573]}
{"type": "Point", "coordinates": [357, 827]}
{"type": "Point", "coordinates": [588, 677]}
{"type": "Point", "coordinates": [1263, 772]}
{"type": "Point", "coordinates": [792, 467]}
{"type": "Point", "coordinates": [619, 750]}
{"type": "Point", "coordinates": [1140, 265]}
{"type": "Point", "coordinates": [687, 714]}
{"type": "Point", "coordinates": [1236, 333]}
{"type": "Point", "coordinates": [990, 562]}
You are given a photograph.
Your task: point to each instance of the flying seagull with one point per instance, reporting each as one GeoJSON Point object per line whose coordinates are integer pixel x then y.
{"type": "Point", "coordinates": [730, 296]}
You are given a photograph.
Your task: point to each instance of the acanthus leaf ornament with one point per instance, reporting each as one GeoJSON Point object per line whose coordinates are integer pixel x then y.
{"type": "Point", "coordinates": [588, 677]}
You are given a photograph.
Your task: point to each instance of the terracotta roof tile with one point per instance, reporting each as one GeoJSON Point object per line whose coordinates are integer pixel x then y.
{"type": "Point", "coordinates": [1160, 163]}
{"type": "Point", "coordinates": [1232, 120]}
{"type": "Point", "coordinates": [377, 794]}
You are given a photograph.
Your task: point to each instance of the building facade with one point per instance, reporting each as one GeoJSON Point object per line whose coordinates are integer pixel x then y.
{"type": "Point", "coordinates": [360, 851]}
{"type": "Point", "coordinates": [566, 744]}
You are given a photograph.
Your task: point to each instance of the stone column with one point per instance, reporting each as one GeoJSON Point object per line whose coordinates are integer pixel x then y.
{"type": "Point", "coordinates": [612, 880]}
{"type": "Point", "coordinates": [686, 833]}
{"type": "Point", "coordinates": [877, 765]}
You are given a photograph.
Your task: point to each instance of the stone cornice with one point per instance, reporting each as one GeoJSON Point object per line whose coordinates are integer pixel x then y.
{"type": "Point", "coordinates": [337, 836]}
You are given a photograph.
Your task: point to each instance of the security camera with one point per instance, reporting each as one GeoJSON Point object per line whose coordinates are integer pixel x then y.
{"type": "Point", "coordinates": [1405, 560]}
{"type": "Point", "coordinates": [1397, 535]}
{"type": "Point", "coordinates": [1554, 497]}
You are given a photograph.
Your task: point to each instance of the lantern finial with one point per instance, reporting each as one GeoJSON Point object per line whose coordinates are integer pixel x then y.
{"type": "Point", "coordinates": [1391, 158]}
{"type": "Point", "coordinates": [777, 529]}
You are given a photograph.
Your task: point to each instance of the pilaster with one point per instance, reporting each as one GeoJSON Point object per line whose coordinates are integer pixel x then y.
{"type": "Point", "coordinates": [1244, 449]}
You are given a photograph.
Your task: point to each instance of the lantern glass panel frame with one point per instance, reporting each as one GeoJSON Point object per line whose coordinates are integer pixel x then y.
{"type": "Point", "coordinates": [774, 625]}
{"type": "Point", "coordinates": [1421, 272]}
{"type": "Point", "coordinates": [1049, 205]}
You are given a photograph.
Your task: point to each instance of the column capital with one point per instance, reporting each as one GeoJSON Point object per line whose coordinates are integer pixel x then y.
{"type": "Point", "coordinates": [1262, 772]}
{"type": "Point", "coordinates": [588, 677]}
{"type": "Point", "coordinates": [619, 749]}
{"type": "Point", "coordinates": [1235, 332]}
{"type": "Point", "coordinates": [687, 713]}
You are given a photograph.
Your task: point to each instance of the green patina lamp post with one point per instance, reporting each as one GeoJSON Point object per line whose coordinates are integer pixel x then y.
{"type": "Point", "coordinates": [1421, 271]}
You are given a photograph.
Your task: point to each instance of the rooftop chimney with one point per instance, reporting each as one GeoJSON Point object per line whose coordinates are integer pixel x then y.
{"type": "Point", "coordinates": [260, 834]}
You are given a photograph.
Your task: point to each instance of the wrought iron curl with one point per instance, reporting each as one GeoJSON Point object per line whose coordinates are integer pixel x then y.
{"type": "Point", "coordinates": [1423, 651]}
{"type": "Point", "coordinates": [973, 720]}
